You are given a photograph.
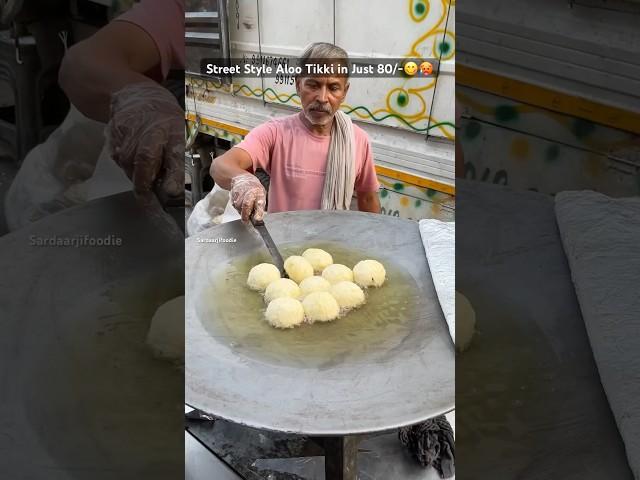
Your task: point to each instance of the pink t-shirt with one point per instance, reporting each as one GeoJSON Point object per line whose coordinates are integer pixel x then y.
{"type": "Point", "coordinates": [296, 160]}
{"type": "Point", "coordinates": [163, 20]}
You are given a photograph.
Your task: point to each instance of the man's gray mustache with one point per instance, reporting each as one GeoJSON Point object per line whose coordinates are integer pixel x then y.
{"type": "Point", "coordinates": [320, 109]}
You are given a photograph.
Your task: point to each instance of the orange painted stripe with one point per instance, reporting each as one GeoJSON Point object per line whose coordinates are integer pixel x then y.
{"type": "Point", "coordinates": [414, 180]}
{"type": "Point", "coordinates": [223, 126]}
{"type": "Point", "coordinates": [549, 99]}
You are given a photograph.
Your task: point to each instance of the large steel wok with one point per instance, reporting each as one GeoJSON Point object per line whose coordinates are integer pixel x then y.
{"type": "Point", "coordinates": [404, 376]}
{"type": "Point", "coordinates": [82, 396]}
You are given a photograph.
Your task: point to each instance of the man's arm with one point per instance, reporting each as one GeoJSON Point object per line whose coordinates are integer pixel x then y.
{"type": "Point", "coordinates": [368, 202]}
{"type": "Point", "coordinates": [231, 164]}
{"type": "Point", "coordinates": [114, 57]}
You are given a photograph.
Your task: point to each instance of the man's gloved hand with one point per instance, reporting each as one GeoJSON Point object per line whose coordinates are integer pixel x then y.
{"type": "Point", "coordinates": [146, 139]}
{"type": "Point", "coordinates": [247, 196]}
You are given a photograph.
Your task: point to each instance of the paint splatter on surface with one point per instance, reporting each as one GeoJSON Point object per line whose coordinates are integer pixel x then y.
{"type": "Point", "coordinates": [506, 113]}
{"type": "Point", "coordinates": [414, 202]}
{"type": "Point", "coordinates": [472, 129]}
{"type": "Point", "coordinates": [520, 148]}
{"type": "Point", "coordinates": [543, 150]}
{"type": "Point", "coordinates": [552, 153]}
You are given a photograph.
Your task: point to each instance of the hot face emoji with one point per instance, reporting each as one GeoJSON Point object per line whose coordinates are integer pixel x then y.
{"type": "Point", "coordinates": [426, 68]}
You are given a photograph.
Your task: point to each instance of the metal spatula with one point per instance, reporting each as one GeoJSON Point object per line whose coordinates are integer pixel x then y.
{"type": "Point", "coordinates": [271, 246]}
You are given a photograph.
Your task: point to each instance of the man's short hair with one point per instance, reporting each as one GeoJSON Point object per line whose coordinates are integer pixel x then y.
{"type": "Point", "coordinates": [325, 53]}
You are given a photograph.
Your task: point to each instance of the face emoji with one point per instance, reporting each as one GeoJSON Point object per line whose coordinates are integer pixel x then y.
{"type": "Point", "coordinates": [426, 68]}
{"type": "Point", "coordinates": [410, 68]}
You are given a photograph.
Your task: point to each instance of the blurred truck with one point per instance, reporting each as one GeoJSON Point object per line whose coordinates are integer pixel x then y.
{"type": "Point", "coordinates": [550, 93]}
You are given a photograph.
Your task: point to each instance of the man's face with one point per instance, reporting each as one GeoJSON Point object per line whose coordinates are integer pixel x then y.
{"type": "Point", "coordinates": [321, 97]}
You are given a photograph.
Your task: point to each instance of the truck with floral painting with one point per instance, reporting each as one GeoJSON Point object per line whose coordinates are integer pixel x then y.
{"type": "Point", "coordinates": [409, 118]}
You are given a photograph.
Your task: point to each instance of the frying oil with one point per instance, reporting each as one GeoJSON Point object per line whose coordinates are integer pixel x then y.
{"type": "Point", "coordinates": [233, 313]}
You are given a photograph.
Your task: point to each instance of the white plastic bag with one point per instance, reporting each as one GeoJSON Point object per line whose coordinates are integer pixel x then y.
{"type": "Point", "coordinates": [50, 171]}
{"type": "Point", "coordinates": [230, 213]}
{"type": "Point", "coordinates": [214, 209]}
{"type": "Point", "coordinates": [108, 178]}
{"type": "Point", "coordinates": [71, 167]}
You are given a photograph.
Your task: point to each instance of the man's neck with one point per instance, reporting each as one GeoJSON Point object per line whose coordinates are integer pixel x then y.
{"type": "Point", "coordinates": [322, 130]}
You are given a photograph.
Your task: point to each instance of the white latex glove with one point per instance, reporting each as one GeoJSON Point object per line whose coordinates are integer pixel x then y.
{"type": "Point", "coordinates": [248, 196]}
{"type": "Point", "coordinates": [146, 138]}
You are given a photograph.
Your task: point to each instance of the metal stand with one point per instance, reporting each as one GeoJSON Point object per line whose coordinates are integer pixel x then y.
{"type": "Point", "coordinates": [19, 67]}
{"type": "Point", "coordinates": [340, 457]}
{"type": "Point", "coordinates": [249, 451]}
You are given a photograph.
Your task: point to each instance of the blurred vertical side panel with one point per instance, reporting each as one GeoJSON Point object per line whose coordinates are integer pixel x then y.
{"type": "Point", "coordinates": [90, 386]}
{"type": "Point", "coordinates": [548, 166]}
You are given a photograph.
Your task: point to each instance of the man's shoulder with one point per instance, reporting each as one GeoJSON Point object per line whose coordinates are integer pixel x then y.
{"type": "Point", "coordinates": [277, 125]}
{"type": "Point", "coordinates": [360, 134]}
{"type": "Point", "coordinates": [284, 121]}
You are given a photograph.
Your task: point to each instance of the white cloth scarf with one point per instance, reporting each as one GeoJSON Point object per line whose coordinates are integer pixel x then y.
{"type": "Point", "coordinates": [340, 176]}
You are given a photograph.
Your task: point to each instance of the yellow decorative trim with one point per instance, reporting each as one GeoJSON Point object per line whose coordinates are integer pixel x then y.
{"type": "Point", "coordinates": [548, 99]}
{"type": "Point", "coordinates": [223, 126]}
{"type": "Point", "coordinates": [418, 181]}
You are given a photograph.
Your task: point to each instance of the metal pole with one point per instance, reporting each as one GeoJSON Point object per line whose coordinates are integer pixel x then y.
{"type": "Point", "coordinates": [341, 458]}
